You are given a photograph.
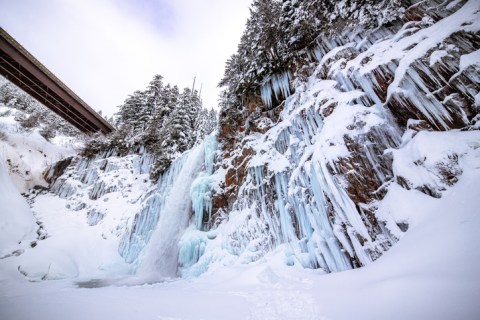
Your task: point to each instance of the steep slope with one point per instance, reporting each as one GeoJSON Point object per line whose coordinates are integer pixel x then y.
{"type": "Point", "coordinates": [311, 170]}
{"type": "Point", "coordinates": [25, 152]}
{"type": "Point", "coordinates": [17, 224]}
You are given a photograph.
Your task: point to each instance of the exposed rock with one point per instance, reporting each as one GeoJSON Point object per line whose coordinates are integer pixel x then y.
{"type": "Point", "coordinates": [57, 170]}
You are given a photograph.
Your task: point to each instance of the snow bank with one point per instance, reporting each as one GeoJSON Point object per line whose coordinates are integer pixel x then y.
{"type": "Point", "coordinates": [431, 272]}
{"type": "Point", "coordinates": [72, 247]}
{"type": "Point", "coordinates": [27, 154]}
{"type": "Point", "coordinates": [17, 223]}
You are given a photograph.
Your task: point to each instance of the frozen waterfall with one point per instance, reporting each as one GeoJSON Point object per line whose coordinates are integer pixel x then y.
{"type": "Point", "coordinates": [160, 257]}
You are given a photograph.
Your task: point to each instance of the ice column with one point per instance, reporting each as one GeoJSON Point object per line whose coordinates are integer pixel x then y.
{"type": "Point", "coordinates": [200, 191]}
{"type": "Point", "coordinates": [160, 258]}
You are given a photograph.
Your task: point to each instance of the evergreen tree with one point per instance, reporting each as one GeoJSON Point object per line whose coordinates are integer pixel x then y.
{"type": "Point", "coordinates": [212, 121]}
{"type": "Point", "coordinates": [31, 114]}
{"type": "Point", "coordinates": [154, 93]}
{"type": "Point", "coordinates": [181, 122]}
{"type": "Point", "coordinates": [169, 101]}
{"type": "Point", "coordinates": [205, 124]}
{"type": "Point", "coordinates": [166, 102]}
{"type": "Point", "coordinates": [162, 120]}
{"type": "Point", "coordinates": [134, 112]}
{"type": "Point", "coordinates": [281, 34]}
{"type": "Point", "coordinates": [200, 127]}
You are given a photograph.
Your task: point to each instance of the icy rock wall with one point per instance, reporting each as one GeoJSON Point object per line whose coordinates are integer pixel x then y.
{"type": "Point", "coordinates": [85, 181]}
{"type": "Point", "coordinates": [295, 183]}
{"type": "Point", "coordinates": [201, 189]}
{"type": "Point", "coordinates": [313, 179]}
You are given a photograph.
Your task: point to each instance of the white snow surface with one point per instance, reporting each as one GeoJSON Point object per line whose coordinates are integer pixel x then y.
{"type": "Point", "coordinates": [429, 274]}
{"type": "Point", "coordinates": [17, 224]}
{"type": "Point", "coordinates": [26, 154]}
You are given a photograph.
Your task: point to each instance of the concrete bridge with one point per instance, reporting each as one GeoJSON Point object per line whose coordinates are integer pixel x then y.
{"type": "Point", "coordinates": [21, 68]}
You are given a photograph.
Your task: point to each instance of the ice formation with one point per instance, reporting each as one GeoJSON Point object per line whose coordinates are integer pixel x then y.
{"type": "Point", "coordinates": [200, 191]}
{"type": "Point", "coordinates": [313, 181]}
{"type": "Point", "coordinates": [279, 85]}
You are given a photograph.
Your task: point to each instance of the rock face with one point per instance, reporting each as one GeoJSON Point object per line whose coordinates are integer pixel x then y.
{"type": "Point", "coordinates": [311, 170]}
{"type": "Point", "coordinates": [55, 171]}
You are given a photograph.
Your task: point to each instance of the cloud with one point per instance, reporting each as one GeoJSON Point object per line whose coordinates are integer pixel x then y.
{"type": "Point", "coordinates": [106, 49]}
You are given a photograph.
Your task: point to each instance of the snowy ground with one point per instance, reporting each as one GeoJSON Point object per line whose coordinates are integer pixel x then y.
{"type": "Point", "coordinates": [26, 154]}
{"type": "Point", "coordinates": [432, 273]}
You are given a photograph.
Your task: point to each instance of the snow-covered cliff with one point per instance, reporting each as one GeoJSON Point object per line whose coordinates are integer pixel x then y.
{"type": "Point", "coordinates": [312, 173]}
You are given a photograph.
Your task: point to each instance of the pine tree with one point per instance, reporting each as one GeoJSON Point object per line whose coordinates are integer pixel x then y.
{"type": "Point", "coordinates": [154, 94]}
{"type": "Point", "coordinates": [170, 100]}
{"type": "Point", "coordinates": [135, 112]}
{"type": "Point", "coordinates": [260, 52]}
{"type": "Point", "coordinates": [212, 121]}
{"type": "Point", "coordinates": [166, 102]}
{"type": "Point", "coordinates": [200, 125]}
{"type": "Point", "coordinates": [182, 121]}
{"type": "Point", "coordinates": [205, 124]}
{"type": "Point", "coordinates": [279, 35]}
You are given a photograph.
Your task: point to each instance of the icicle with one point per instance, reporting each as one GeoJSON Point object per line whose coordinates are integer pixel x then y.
{"type": "Point", "coordinates": [192, 246]}
{"type": "Point", "coordinates": [279, 84]}
{"type": "Point", "coordinates": [329, 245]}
{"type": "Point", "coordinates": [210, 152]}
{"type": "Point", "coordinates": [201, 198]}
{"type": "Point", "coordinates": [266, 94]}
{"type": "Point", "coordinates": [286, 224]}
{"type": "Point", "coordinates": [340, 200]}
{"type": "Point", "coordinates": [200, 191]}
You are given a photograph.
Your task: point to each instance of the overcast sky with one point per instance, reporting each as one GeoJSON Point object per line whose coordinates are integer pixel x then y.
{"type": "Point", "coordinates": [106, 49]}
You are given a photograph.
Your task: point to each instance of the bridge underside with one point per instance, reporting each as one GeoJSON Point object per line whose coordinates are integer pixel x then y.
{"type": "Point", "coordinates": [22, 69]}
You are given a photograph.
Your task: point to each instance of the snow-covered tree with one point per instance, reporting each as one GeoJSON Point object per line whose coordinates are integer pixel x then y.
{"type": "Point", "coordinates": [31, 114]}
{"type": "Point", "coordinates": [154, 93]}
{"type": "Point", "coordinates": [281, 34]}
{"type": "Point", "coordinates": [205, 124]}
{"type": "Point", "coordinates": [135, 112]}
{"type": "Point", "coordinates": [162, 120]}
